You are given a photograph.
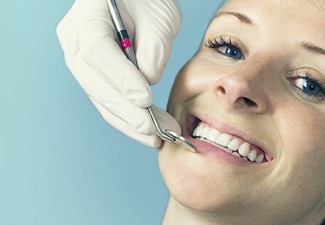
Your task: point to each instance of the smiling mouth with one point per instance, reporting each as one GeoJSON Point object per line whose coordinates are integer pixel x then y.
{"type": "Point", "coordinates": [229, 143]}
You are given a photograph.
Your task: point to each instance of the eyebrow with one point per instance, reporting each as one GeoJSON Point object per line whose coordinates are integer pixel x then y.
{"type": "Point", "coordinates": [245, 19]}
{"type": "Point", "coordinates": [242, 17]}
{"type": "Point", "coordinates": [313, 48]}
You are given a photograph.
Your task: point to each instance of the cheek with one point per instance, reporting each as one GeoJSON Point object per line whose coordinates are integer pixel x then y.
{"type": "Point", "coordinates": [302, 132]}
{"type": "Point", "coordinates": [301, 149]}
{"type": "Point", "coordinates": [188, 82]}
{"type": "Point", "coordinates": [195, 77]}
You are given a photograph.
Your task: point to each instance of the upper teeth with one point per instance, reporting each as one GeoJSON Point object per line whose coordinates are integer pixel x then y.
{"type": "Point", "coordinates": [229, 143]}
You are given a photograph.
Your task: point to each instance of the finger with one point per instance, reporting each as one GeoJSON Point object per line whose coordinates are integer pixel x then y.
{"type": "Point", "coordinates": [122, 126]}
{"type": "Point", "coordinates": [66, 28]}
{"type": "Point", "coordinates": [137, 118]}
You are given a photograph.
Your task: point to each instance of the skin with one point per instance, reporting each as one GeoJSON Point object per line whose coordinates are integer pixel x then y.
{"type": "Point", "coordinates": [259, 98]}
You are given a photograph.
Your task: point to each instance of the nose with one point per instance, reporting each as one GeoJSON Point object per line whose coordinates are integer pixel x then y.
{"type": "Point", "coordinates": [242, 91]}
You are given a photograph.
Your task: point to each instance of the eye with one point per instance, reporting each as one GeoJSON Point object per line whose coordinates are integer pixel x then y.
{"type": "Point", "coordinates": [309, 86]}
{"type": "Point", "coordinates": [226, 48]}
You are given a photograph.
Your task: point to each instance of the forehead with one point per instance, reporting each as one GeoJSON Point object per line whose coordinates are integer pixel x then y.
{"type": "Point", "coordinates": [318, 3]}
{"type": "Point", "coordinates": [299, 17]}
{"type": "Point", "coordinates": [300, 8]}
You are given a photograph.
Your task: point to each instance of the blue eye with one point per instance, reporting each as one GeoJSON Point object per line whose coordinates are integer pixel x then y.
{"type": "Point", "coordinates": [311, 88]}
{"type": "Point", "coordinates": [226, 48]}
{"type": "Point", "coordinates": [231, 51]}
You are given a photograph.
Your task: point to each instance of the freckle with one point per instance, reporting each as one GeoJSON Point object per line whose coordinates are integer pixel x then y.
{"type": "Point", "coordinates": [318, 3]}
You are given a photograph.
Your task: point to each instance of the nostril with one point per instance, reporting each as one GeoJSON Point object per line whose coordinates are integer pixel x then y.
{"type": "Point", "coordinates": [249, 102]}
{"type": "Point", "coordinates": [222, 90]}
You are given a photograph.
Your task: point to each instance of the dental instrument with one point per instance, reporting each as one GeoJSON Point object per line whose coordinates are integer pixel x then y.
{"type": "Point", "coordinates": [125, 42]}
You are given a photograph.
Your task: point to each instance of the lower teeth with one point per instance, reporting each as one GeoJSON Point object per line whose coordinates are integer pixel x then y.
{"type": "Point", "coordinates": [235, 153]}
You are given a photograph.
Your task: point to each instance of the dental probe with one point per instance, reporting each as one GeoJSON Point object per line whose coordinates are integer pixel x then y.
{"type": "Point", "coordinates": [126, 46]}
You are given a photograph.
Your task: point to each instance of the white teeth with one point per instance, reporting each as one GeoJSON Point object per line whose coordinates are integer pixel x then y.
{"type": "Point", "coordinates": [244, 149]}
{"type": "Point", "coordinates": [260, 158]}
{"type": "Point", "coordinates": [205, 131]}
{"type": "Point", "coordinates": [236, 154]}
{"type": "Point", "coordinates": [234, 144]}
{"type": "Point", "coordinates": [223, 139]}
{"type": "Point", "coordinates": [213, 135]}
{"type": "Point", "coordinates": [197, 131]}
{"type": "Point", "coordinates": [228, 150]}
{"type": "Point", "coordinates": [252, 155]}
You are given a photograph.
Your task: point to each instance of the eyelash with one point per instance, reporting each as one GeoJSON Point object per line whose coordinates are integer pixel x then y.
{"type": "Point", "coordinates": [235, 53]}
{"type": "Point", "coordinates": [318, 85]}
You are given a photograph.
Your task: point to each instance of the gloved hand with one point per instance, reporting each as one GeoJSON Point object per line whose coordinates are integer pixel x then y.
{"type": "Point", "coordinates": [118, 90]}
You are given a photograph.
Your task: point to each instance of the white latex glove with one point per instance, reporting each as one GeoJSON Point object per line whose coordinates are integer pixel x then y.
{"type": "Point", "coordinates": [118, 90]}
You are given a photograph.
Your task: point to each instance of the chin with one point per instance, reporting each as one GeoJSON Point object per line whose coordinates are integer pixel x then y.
{"type": "Point", "coordinates": [197, 185]}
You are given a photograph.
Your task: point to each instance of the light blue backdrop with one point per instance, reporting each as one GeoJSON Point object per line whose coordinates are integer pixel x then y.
{"type": "Point", "coordinates": [60, 163]}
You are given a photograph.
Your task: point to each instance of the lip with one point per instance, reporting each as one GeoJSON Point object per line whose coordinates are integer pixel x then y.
{"type": "Point", "coordinates": [191, 121]}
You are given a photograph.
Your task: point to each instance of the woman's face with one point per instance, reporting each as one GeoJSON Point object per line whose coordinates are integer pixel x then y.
{"type": "Point", "coordinates": [252, 100]}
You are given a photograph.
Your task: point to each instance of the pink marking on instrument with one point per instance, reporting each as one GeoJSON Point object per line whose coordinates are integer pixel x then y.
{"type": "Point", "coordinates": [125, 43]}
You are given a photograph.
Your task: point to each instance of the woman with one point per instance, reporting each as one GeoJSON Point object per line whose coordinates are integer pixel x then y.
{"type": "Point", "coordinates": [258, 80]}
{"type": "Point", "coordinates": [252, 100]}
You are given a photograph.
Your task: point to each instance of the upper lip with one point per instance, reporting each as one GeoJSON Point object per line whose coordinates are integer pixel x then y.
{"type": "Point", "coordinates": [225, 128]}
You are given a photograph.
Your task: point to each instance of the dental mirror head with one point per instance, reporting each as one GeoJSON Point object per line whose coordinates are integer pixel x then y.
{"type": "Point", "coordinates": [169, 135]}
{"type": "Point", "coordinates": [178, 139]}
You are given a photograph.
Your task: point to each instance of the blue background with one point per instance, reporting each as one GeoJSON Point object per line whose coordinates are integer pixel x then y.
{"type": "Point", "coordinates": [60, 163]}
